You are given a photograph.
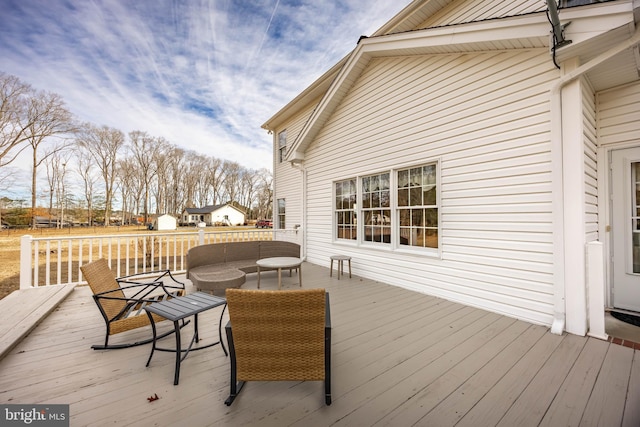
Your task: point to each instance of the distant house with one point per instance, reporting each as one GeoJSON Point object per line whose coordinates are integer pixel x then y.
{"type": "Point", "coordinates": [165, 222]}
{"type": "Point", "coordinates": [479, 152]}
{"type": "Point", "coordinates": [225, 214]}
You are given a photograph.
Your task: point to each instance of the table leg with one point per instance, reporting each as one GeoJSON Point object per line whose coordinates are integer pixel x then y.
{"type": "Point", "coordinates": [279, 278]}
{"type": "Point", "coordinates": [176, 327]}
{"type": "Point", "coordinates": [258, 277]}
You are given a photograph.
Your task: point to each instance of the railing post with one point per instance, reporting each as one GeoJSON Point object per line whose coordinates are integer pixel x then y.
{"type": "Point", "coordinates": [201, 237]}
{"type": "Point", "coordinates": [25, 262]}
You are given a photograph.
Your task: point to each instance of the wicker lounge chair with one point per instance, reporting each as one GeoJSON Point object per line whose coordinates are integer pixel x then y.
{"type": "Point", "coordinates": [122, 300]}
{"type": "Point", "coordinates": [279, 336]}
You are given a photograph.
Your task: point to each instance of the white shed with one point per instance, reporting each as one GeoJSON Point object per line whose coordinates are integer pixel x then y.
{"type": "Point", "coordinates": [165, 222]}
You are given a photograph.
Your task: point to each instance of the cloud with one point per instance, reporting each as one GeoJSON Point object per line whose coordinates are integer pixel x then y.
{"type": "Point", "coordinates": [203, 74]}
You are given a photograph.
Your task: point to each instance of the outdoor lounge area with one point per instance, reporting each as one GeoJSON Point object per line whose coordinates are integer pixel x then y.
{"type": "Point", "coordinates": [398, 358]}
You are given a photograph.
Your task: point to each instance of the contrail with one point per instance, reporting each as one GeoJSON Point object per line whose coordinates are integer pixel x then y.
{"type": "Point", "coordinates": [264, 35]}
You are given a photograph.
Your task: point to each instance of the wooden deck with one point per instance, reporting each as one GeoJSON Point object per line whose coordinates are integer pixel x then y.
{"type": "Point", "coordinates": [399, 359]}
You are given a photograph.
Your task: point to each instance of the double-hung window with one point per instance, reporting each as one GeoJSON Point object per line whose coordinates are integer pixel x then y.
{"type": "Point", "coordinates": [417, 206]}
{"type": "Point", "coordinates": [345, 213]}
{"type": "Point", "coordinates": [399, 208]}
{"type": "Point", "coordinates": [376, 208]}
{"type": "Point", "coordinates": [281, 214]}
{"type": "Point", "coordinates": [282, 145]}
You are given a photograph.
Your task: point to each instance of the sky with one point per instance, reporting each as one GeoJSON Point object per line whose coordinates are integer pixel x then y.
{"type": "Point", "coordinates": [203, 74]}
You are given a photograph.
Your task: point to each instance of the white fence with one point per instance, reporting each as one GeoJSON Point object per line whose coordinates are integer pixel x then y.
{"type": "Point", "coordinates": [53, 261]}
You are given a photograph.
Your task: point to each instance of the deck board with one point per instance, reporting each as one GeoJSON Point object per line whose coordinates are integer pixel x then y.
{"type": "Point", "coordinates": [398, 358]}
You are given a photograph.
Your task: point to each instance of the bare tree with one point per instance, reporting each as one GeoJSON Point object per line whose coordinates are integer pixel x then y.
{"type": "Point", "coordinates": [264, 197]}
{"type": "Point", "coordinates": [144, 149]}
{"type": "Point", "coordinates": [46, 117]}
{"type": "Point", "coordinates": [14, 125]}
{"type": "Point", "coordinates": [176, 172]}
{"type": "Point", "coordinates": [61, 189]}
{"type": "Point", "coordinates": [56, 168]}
{"type": "Point", "coordinates": [210, 182]}
{"type": "Point", "coordinates": [195, 170]}
{"type": "Point", "coordinates": [249, 180]}
{"type": "Point", "coordinates": [232, 178]}
{"type": "Point", "coordinates": [85, 169]}
{"type": "Point", "coordinates": [104, 144]}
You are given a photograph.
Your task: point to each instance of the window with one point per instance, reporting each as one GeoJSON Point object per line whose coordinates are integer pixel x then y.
{"type": "Point", "coordinates": [399, 208]}
{"type": "Point", "coordinates": [417, 206]}
{"type": "Point", "coordinates": [376, 208]}
{"type": "Point", "coordinates": [281, 214]}
{"type": "Point", "coordinates": [346, 196]}
{"type": "Point", "coordinates": [282, 145]}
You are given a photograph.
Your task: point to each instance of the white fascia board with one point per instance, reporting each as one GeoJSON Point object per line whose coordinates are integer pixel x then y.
{"type": "Point", "coordinates": [595, 24]}
{"type": "Point", "coordinates": [461, 38]}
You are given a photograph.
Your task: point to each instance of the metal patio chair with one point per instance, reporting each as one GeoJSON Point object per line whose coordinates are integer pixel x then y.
{"type": "Point", "coordinates": [122, 300]}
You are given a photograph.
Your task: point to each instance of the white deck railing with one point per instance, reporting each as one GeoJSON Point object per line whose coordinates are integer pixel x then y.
{"type": "Point", "coordinates": [54, 261]}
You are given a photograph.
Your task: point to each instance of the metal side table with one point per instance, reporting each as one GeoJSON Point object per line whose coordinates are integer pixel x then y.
{"type": "Point", "coordinates": [178, 309]}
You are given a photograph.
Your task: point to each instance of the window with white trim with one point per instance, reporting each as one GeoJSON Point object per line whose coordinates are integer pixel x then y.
{"type": "Point", "coordinates": [417, 205]}
{"type": "Point", "coordinates": [281, 214]}
{"type": "Point", "coordinates": [282, 145]}
{"type": "Point", "coordinates": [345, 213]}
{"type": "Point", "coordinates": [376, 208]}
{"type": "Point", "coordinates": [399, 208]}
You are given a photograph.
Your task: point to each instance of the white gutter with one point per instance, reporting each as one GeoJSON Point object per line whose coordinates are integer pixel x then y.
{"type": "Point", "coordinates": [557, 178]}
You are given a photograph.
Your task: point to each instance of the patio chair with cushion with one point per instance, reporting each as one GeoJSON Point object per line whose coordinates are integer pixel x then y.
{"type": "Point", "coordinates": [122, 300]}
{"type": "Point", "coordinates": [279, 336]}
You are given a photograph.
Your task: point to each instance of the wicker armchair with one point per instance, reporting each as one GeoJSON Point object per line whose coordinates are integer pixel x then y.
{"type": "Point", "coordinates": [122, 307]}
{"type": "Point", "coordinates": [279, 336]}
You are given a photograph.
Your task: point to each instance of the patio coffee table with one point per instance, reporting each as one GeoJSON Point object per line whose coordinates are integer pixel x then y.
{"type": "Point", "coordinates": [177, 309]}
{"type": "Point", "coordinates": [279, 263]}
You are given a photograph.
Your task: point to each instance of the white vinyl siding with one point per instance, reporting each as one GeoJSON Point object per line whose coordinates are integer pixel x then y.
{"type": "Point", "coordinates": [590, 162]}
{"type": "Point", "coordinates": [486, 117]}
{"type": "Point", "coordinates": [288, 180]}
{"type": "Point", "coordinates": [618, 113]}
{"type": "Point", "coordinates": [458, 12]}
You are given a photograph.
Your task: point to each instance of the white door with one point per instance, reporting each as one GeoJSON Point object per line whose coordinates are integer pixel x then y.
{"type": "Point", "coordinates": [625, 228]}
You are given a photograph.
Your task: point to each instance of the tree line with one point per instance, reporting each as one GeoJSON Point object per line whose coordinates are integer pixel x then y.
{"type": "Point", "coordinates": [98, 167]}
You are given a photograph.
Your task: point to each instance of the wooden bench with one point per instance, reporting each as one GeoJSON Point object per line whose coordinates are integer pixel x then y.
{"type": "Point", "coordinates": [22, 310]}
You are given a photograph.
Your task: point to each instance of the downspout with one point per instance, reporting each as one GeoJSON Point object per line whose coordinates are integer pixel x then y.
{"type": "Point", "coordinates": [300, 166]}
{"type": "Point", "coordinates": [556, 150]}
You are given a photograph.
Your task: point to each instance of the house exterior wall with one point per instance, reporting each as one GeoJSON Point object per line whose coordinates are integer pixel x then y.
{"type": "Point", "coordinates": [166, 222]}
{"type": "Point", "coordinates": [472, 11]}
{"type": "Point", "coordinates": [485, 118]}
{"type": "Point", "coordinates": [235, 217]}
{"type": "Point", "coordinates": [288, 179]}
{"type": "Point", "coordinates": [618, 113]}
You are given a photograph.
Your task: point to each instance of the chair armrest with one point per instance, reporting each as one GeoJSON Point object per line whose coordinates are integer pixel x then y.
{"type": "Point", "coordinates": [152, 284]}
{"type": "Point", "coordinates": [155, 276]}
